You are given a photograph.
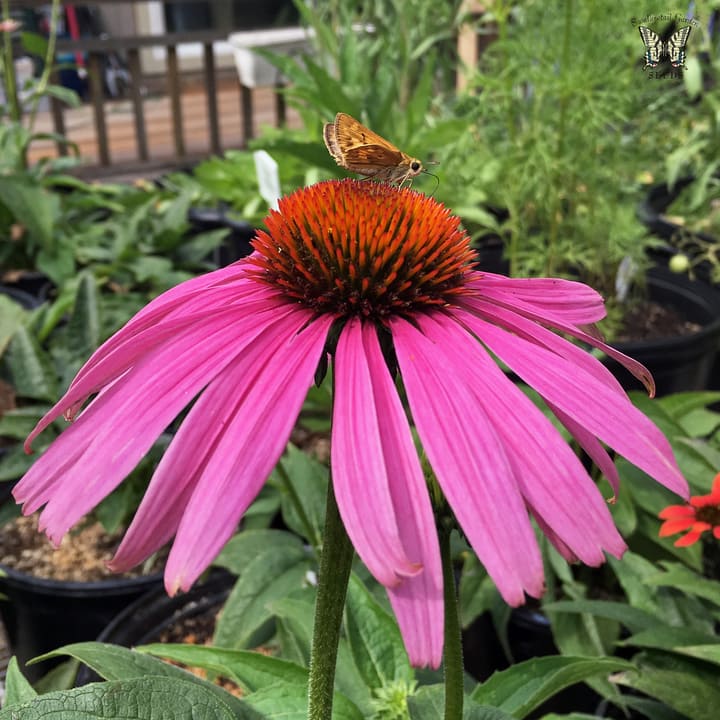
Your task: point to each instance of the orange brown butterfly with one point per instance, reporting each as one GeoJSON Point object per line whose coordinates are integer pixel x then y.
{"type": "Point", "coordinates": [358, 149]}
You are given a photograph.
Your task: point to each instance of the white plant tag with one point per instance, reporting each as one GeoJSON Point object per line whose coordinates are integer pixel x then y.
{"type": "Point", "coordinates": [268, 177]}
{"type": "Point", "coordinates": [624, 278]}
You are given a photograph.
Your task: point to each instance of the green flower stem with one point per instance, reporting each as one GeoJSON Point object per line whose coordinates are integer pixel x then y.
{"type": "Point", "coordinates": [48, 66]}
{"type": "Point", "coordinates": [335, 564]}
{"type": "Point", "coordinates": [9, 67]}
{"type": "Point", "coordinates": [452, 658]}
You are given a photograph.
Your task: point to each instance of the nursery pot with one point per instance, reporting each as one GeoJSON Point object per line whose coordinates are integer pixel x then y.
{"type": "Point", "coordinates": [236, 244]}
{"type": "Point", "coordinates": [41, 615]}
{"type": "Point", "coordinates": [144, 620]}
{"type": "Point", "coordinates": [684, 362]}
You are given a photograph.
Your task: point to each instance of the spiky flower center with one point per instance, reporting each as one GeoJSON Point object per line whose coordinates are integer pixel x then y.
{"type": "Point", "coordinates": [362, 248]}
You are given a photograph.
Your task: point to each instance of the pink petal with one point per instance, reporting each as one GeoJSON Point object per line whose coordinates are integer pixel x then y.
{"type": "Point", "coordinates": [175, 479]}
{"type": "Point", "coordinates": [471, 464]}
{"type": "Point", "coordinates": [358, 465]}
{"type": "Point", "coordinates": [417, 600]}
{"type": "Point", "coordinates": [603, 412]}
{"type": "Point", "coordinates": [246, 451]}
{"type": "Point", "coordinates": [551, 477]}
{"type": "Point", "coordinates": [566, 300]}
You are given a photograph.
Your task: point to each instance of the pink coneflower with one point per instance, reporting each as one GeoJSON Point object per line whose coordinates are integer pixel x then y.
{"type": "Point", "coordinates": [700, 515]}
{"type": "Point", "coordinates": [383, 280]}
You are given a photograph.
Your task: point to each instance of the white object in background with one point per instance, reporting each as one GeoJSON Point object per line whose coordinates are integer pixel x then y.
{"type": "Point", "coordinates": [268, 177]}
{"type": "Point", "coordinates": [624, 279]}
{"type": "Point", "coordinates": [253, 69]}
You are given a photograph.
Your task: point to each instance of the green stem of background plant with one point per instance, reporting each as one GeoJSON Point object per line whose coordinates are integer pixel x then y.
{"type": "Point", "coordinates": [9, 67]}
{"type": "Point", "coordinates": [335, 563]}
{"type": "Point", "coordinates": [565, 60]}
{"type": "Point", "coordinates": [452, 654]}
{"type": "Point", "coordinates": [48, 65]}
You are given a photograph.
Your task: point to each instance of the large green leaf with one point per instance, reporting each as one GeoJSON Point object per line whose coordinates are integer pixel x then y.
{"type": "Point", "coordinates": [289, 701]}
{"type": "Point", "coordinates": [11, 318]}
{"type": "Point", "coordinates": [374, 638]}
{"type": "Point", "coordinates": [17, 688]}
{"type": "Point", "coordinates": [688, 686]}
{"type": "Point", "coordinates": [143, 698]}
{"type": "Point", "coordinates": [251, 670]}
{"type": "Point", "coordinates": [33, 207]}
{"type": "Point", "coordinates": [116, 663]}
{"type": "Point", "coordinates": [428, 703]}
{"type": "Point", "coordinates": [522, 687]}
{"type": "Point", "coordinates": [270, 565]}
{"type": "Point", "coordinates": [31, 370]}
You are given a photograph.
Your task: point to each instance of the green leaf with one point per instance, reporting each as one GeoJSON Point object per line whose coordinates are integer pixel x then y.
{"type": "Point", "coordinates": [83, 328]}
{"type": "Point", "coordinates": [66, 95]}
{"type": "Point", "coordinates": [428, 703]}
{"type": "Point", "coordinates": [270, 565]}
{"type": "Point", "coordinates": [11, 318]}
{"type": "Point", "coordinates": [686, 685]}
{"type": "Point", "coordinates": [141, 699]}
{"type": "Point", "coordinates": [34, 43]}
{"type": "Point", "coordinates": [681, 640]}
{"type": "Point", "coordinates": [251, 670]}
{"type": "Point", "coordinates": [631, 617]}
{"type": "Point", "coordinates": [31, 370]}
{"type": "Point", "coordinates": [374, 638]}
{"type": "Point", "coordinates": [288, 701]}
{"type": "Point", "coordinates": [682, 578]}
{"type": "Point", "coordinates": [31, 206]}
{"type": "Point", "coordinates": [692, 77]}
{"type": "Point", "coordinates": [116, 663]}
{"type": "Point", "coordinates": [302, 481]}
{"type": "Point", "coordinates": [522, 687]}
{"type": "Point", "coordinates": [17, 688]}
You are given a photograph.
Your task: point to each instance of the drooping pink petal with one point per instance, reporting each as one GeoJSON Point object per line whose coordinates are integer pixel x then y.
{"type": "Point", "coordinates": [124, 420]}
{"type": "Point", "coordinates": [245, 453]}
{"type": "Point", "coordinates": [605, 413]}
{"type": "Point", "coordinates": [566, 300]}
{"type": "Point", "coordinates": [471, 464]}
{"type": "Point", "coordinates": [359, 474]}
{"type": "Point", "coordinates": [417, 600]}
{"type": "Point", "coordinates": [495, 312]}
{"type": "Point", "coordinates": [158, 516]}
{"type": "Point", "coordinates": [550, 476]}
{"type": "Point", "coordinates": [136, 339]}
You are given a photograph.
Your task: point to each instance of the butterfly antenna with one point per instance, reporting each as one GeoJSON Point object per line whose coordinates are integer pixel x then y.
{"type": "Point", "coordinates": [437, 184]}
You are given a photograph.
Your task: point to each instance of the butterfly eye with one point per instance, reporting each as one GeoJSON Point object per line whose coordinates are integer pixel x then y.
{"type": "Point", "coordinates": [415, 166]}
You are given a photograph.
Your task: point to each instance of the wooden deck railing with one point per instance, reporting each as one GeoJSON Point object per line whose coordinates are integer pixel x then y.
{"type": "Point", "coordinates": [96, 49]}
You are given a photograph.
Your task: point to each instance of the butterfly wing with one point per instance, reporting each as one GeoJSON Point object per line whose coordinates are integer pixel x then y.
{"type": "Point", "coordinates": [654, 46]}
{"type": "Point", "coordinates": [676, 46]}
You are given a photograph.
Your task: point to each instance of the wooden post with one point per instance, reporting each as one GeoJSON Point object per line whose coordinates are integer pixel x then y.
{"type": "Point", "coordinates": [468, 47]}
{"type": "Point", "coordinates": [133, 56]}
{"type": "Point", "coordinates": [175, 100]}
{"type": "Point", "coordinates": [211, 93]}
{"type": "Point", "coordinates": [246, 108]}
{"type": "Point", "coordinates": [98, 101]}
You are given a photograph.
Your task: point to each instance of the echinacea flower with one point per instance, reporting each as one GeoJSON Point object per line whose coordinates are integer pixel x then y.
{"type": "Point", "coordinates": [701, 514]}
{"type": "Point", "coordinates": [383, 280]}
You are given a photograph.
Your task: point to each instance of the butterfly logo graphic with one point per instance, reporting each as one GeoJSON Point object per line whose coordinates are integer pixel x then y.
{"type": "Point", "coordinates": [656, 48]}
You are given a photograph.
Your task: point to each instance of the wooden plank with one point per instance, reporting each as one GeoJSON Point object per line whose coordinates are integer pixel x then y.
{"type": "Point", "coordinates": [211, 94]}
{"type": "Point", "coordinates": [98, 102]}
{"type": "Point", "coordinates": [125, 42]}
{"type": "Point", "coordinates": [58, 117]}
{"type": "Point", "coordinates": [174, 92]}
{"type": "Point", "coordinates": [133, 58]}
{"type": "Point", "coordinates": [246, 110]}
{"type": "Point", "coordinates": [280, 107]}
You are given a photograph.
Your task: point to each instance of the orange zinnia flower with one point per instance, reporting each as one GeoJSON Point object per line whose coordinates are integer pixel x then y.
{"type": "Point", "coordinates": [700, 515]}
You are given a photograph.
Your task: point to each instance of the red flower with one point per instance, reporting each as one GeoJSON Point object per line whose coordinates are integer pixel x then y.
{"type": "Point", "coordinates": [703, 513]}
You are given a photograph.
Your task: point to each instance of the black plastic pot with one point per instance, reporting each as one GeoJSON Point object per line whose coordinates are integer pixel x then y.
{"type": "Point", "coordinates": [681, 363]}
{"type": "Point", "coordinates": [150, 615]}
{"type": "Point", "coordinates": [236, 244]}
{"type": "Point", "coordinates": [41, 615]}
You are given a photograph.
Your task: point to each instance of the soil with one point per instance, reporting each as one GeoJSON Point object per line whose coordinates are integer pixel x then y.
{"type": "Point", "coordinates": [82, 556]}
{"type": "Point", "coordinates": [649, 320]}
